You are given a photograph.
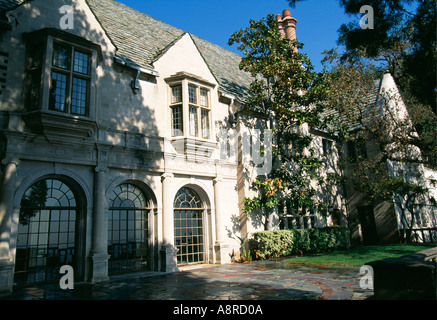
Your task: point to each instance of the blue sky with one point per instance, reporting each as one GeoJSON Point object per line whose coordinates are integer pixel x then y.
{"type": "Point", "coordinates": [215, 21]}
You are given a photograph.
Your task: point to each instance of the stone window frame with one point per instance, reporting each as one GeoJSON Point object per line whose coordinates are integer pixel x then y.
{"type": "Point", "coordinates": [186, 81]}
{"type": "Point", "coordinates": [46, 39]}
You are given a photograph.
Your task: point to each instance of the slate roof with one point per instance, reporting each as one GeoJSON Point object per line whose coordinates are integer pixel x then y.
{"type": "Point", "coordinates": [142, 39]}
{"type": "Point", "coordinates": [369, 109]}
{"type": "Point", "coordinates": [6, 5]}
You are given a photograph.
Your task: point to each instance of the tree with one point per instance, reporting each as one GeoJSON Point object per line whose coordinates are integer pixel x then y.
{"type": "Point", "coordinates": [403, 40]}
{"type": "Point", "coordinates": [350, 88]}
{"type": "Point", "coordinates": [359, 112]}
{"type": "Point", "coordinates": [287, 91]}
{"type": "Point", "coordinates": [373, 179]}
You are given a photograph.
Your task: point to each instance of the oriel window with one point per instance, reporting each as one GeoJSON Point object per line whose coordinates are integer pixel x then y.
{"type": "Point", "coordinates": [191, 101]}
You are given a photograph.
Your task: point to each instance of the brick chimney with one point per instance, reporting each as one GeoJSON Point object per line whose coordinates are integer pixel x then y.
{"type": "Point", "coordinates": [287, 25]}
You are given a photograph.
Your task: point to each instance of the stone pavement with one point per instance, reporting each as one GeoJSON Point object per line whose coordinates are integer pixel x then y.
{"type": "Point", "coordinates": [262, 280]}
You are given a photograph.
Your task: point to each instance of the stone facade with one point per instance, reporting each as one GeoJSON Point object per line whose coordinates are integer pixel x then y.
{"type": "Point", "coordinates": [116, 146]}
{"type": "Point", "coordinates": [123, 140]}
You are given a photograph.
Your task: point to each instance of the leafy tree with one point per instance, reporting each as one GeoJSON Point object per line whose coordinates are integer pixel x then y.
{"type": "Point", "coordinates": [287, 91]}
{"type": "Point", "coordinates": [374, 180]}
{"type": "Point", "coordinates": [403, 40]}
{"type": "Point", "coordinates": [352, 87]}
{"type": "Point", "coordinates": [353, 91]}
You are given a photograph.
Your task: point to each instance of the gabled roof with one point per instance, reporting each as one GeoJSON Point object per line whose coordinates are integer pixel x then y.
{"type": "Point", "coordinates": [142, 39]}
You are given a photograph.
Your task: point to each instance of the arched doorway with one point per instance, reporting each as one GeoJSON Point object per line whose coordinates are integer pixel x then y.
{"type": "Point", "coordinates": [128, 230]}
{"type": "Point", "coordinates": [47, 238]}
{"type": "Point", "coordinates": [188, 226]}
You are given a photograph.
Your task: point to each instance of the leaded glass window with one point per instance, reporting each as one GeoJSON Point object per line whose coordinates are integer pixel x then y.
{"type": "Point", "coordinates": [46, 232]}
{"type": "Point", "coordinates": [128, 233]}
{"type": "Point", "coordinates": [70, 80]}
{"type": "Point", "coordinates": [188, 227]}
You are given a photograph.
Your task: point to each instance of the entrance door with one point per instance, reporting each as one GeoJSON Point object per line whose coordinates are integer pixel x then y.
{"type": "Point", "coordinates": [368, 225]}
{"type": "Point", "coordinates": [188, 227]}
{"type": "Point", "coordinates": [46, 232]}
{"type": "Point", "coordinates": [128, 235]}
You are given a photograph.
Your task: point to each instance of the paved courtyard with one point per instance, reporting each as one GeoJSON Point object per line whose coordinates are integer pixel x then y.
{"type": "Point", "coordinates": [263, 280]}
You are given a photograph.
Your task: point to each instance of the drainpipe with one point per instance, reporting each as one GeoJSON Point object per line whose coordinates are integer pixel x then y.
{"type": "Point", "coordinates": [232, 117]}
{"type": "Point", "coordinates": [135, 84]}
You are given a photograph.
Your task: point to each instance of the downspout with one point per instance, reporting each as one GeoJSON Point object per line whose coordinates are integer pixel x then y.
{"type": "Point", "coordinates": [135, 84]}
{"type": "Point", "coordinates": [232, 117]}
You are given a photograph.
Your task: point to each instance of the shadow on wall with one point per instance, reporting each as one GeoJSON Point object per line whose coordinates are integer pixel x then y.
{"type": "Point", "coordinates": [123, 119]}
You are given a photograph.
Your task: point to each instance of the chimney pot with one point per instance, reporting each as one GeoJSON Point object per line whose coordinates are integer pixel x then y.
{"type": "Point", "coordinates": [286, 13]}
{"type": "Point", "coordinates": [287, 26]}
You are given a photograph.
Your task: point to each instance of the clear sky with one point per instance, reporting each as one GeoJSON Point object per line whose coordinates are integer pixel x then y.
{"type": "Point", "coordinates": [215, 21]}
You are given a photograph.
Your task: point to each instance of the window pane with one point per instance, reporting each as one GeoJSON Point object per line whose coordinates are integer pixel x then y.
{"type": "Point", "coordinates": [177, 121]}
{"type": "Point", "coordinates": [81, 62]}
{"type": "Point", "coordinates": [192, 94]}
{"type": "Point", "coordinates": [58, 92]}
{"type": "Point", "coordinates": [193, 121]}
{"type": "Point", "coordinates": [176, 94]}
{"type": "Point", "coordinates": [205, 124]}
{"type": "Point", "coordinates": [203, 97]}
{"type": "Point", "coordinates": [61, 57]}
{"type": "Point", "coordinates": [79, 96]}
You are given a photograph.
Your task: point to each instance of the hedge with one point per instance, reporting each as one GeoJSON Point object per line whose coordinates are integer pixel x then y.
{"type": "Point", "coordinates": [282, 243]}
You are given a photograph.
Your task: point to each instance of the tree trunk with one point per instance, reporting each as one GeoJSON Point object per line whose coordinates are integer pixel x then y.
{"type": "Point", "coordinates": [268, 225]}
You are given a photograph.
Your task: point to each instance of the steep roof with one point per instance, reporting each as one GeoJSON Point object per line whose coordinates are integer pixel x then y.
{"type": "Point", "coordinates": [142, 39]}
{"type": "Point", "coordinates": [367, 111]}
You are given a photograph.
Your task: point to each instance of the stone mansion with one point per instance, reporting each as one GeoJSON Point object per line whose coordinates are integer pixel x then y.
{"type": "Point", "coordinates": [111, 160]}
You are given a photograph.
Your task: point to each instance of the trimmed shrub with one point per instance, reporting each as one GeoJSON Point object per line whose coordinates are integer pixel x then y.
{"type": "Point", "coordinates": [282, 243]}
{"type": "Point", "coordinates": [275, 243]}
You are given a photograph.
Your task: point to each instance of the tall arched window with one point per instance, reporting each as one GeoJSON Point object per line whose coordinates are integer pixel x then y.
{"type": "Point", "coordinates": [188, 226]}
{"type": "Point", "coordinates": [46, 232]}
{"type": "Point", "coordinates": [128, 236]}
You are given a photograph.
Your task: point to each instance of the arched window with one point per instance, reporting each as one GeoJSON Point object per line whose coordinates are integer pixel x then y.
{"type": "Point", "coordinates": [188, 226]}
{"type": "Point", "coordinates": [46, 232]}
{"type": "Point", "coordinates": [128, 236]}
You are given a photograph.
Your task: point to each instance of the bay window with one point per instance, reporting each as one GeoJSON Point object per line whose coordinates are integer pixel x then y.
{"type": "Point", "coordinates": [60, 71]}
{"type": "Point", "coordinates": [70, 80]}
{"type": "Point", "coordinates": [190, 101]}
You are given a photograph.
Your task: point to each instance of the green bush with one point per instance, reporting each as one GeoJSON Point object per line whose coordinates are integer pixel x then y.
{"type": "Point", "coordinates": [282, 243]}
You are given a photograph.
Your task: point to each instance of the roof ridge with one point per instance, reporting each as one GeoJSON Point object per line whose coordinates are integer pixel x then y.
{"type": "Point", "coordinates": [143, 39]}
{"type": "Point", "coordinates": [171, 26]}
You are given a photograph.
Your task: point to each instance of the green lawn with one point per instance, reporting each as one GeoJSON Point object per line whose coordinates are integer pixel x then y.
{"type": "Point", "coordinates": [358, 256]}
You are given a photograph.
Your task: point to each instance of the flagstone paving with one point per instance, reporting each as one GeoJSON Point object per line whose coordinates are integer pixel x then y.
{"type": "Point", "coordinates": [262, 280]}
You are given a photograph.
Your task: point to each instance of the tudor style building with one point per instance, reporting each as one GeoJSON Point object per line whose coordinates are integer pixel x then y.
{"type": "Point", "coordinates": [109, 143]}
{"type": "Point", "coordinates": [112, 144]}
